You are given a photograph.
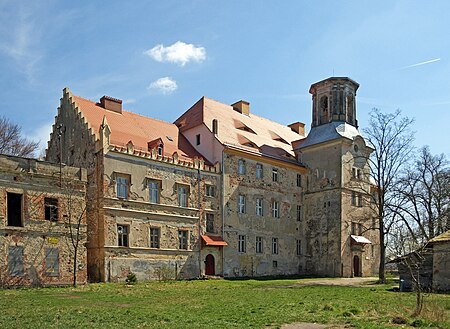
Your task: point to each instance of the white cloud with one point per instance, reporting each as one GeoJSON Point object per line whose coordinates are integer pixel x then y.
{"type": "Point", "coordinates": [164, 85]}
{"type": "Point", "coordinates": [179, 53]}
{"type": "Point", "coordinates": [422, 63]}
{"type": "Point", "coordinates": [42, 135]}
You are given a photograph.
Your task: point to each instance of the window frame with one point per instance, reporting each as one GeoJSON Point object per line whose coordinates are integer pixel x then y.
{"type": "Point", "coordinates": [151, 181]}
{"type": "Point", "coordinates": [242, 243]}
{"type": "Point", "coordinates": [299, 213]}
{"type": "Point", "coordinates": [11, 218]}
{"type": "Point", "coordinates": [299, 180]}
{"type": "Point", "coordinates": [123, 237]}
{"type": "Point", "coordinates": [275, 175]}
{"type": "Point", "coordinates": [210, 190]}
{"type": "Point", "coordinates": [197, 139]}
{"type": "Point", "coordinates": [51, 209]}
{"type": "Point", "coordinates": [183, 197]}
{"type": "Point", "coordinates": [183, 239]}
{"type": "Point", "coordinates": [123, 181]}
{"type": "Point", "coordinates": [152, 242]}
{"type": "Point", "coordinates": [299, 247]}
{"type": "Point", "coordinates": [275, 247]}
{"type": "Point", "coordinates": [259, 246]}
{"type": "Point", "coordinates": [275, 209]}
{"type": "Point", "coordinates": [241, 204]}
{"type": "Point", "coordinates": [241, 167]}
{"type": "Point", "coordinates": [259, 171]}
{"type": "Point", "coordinates": [259, 207]}
{"type": "Point", "coordinates": [49, 252]}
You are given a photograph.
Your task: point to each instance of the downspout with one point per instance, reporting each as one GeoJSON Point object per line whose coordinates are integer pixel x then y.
{"type": "Point", "coordinates": [199, 223]}
{"type": "Point", "coordinates": [223, 209]}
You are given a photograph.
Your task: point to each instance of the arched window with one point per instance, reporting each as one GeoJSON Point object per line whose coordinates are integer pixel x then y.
{"type": "Point", "coordinates": [160, 149]}
{"type": "Point", "coordinates": [215, 127]}
{"type": "Point", "coordinates": [323, 116]}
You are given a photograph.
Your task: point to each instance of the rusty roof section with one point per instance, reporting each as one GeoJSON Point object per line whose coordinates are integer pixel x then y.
{"type": "Point", "coordinates": [267, 137]}
{"type": "Point", "coordinates": [138, 129]}
{"type": "Point", "coordinates": [444, 237]}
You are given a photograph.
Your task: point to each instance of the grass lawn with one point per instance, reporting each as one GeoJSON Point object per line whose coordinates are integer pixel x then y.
{"type": "Point", "coordinates": [216, 304]}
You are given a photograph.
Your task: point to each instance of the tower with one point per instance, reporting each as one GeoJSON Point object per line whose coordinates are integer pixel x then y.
{"type": "Point", "coordinates": [338, 186]}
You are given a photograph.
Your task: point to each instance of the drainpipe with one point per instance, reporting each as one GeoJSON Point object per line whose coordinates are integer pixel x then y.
{"type": "Point", "coordinates": [199, 223]}
{"type": "Point", "coordinates": [223, 209]}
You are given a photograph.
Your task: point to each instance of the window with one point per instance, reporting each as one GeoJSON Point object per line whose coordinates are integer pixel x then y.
{"type": "Point", "coordinates": [155, 234]}
{"type": "Point", "coordinates": [122, 235]}
{"type": "Point", "coordinates": [275, 175]}
{"type": "Point", "coordinates": [14, 204]}
{"type": "Point", "coordinates": [182, 195]}
{"type": "Point", "coordinates": [259, 245]}
{"type": "Point", "coordinates": [357, 228]}
{"type": "Point", "coordinates": [275, 264]}
{"type": "Point", "coordinates": [299, 247]}
{"type": "Point", "coordinates": [160, 149]}
{"type": "Point", "coordinates": [299, 212]}
{"type": "Point", "coordinates": [242, 243]}
{"type": "Point", "coordinates": [51, 209]}
{"type": "Point", "coordinates": [15, 261]}
{"type": "Point", "coordinates": [51, 262]}
{"type": "Point", "coordinates": [353, 172]}
{"type": "Point", "coordinates": [210, 190]}
{"type": "Point", "coordinates": [241, 204]}
{"type": "Point", "coordinates": [122, 182]}
{"type": "Point", "coordinates": [356, 173]}
{"type": "Point", "coordinates": [215, 127]}
{"type": "Point", "coordinates": [183, 239]}
{"type": "Point", "coordinates": [299, 180]}
{"type": "Point", "coordinates": [353, 198]}
{"type": "Point", "coordinates": [209, 223]}
{"type": "Point", "coordinates": [275, 209]}
{"type": "Point", "coordinates": [197, 139]}
{"type": "Point", "coordinates": [275, 246]}
{"type": "Point", "coordinates": [241, 167]}
{"type": "Point", "coordinates": [153, 191]}
{"type": "Point", "coordinates": [360, 200]}
{"type": "Point", "coordinates": [259, 207]}
{"type": "Point", "coordinates": [259, 171]}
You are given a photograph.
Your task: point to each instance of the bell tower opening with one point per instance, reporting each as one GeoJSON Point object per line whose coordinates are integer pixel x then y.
{"type": "Point", "coordinates": [334, 100]}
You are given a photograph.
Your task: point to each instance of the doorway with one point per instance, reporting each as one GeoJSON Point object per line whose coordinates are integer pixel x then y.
{"type": "Point", "coordinates": [209, 265]}
{"type": "Point", "coordinates": [356, 266]}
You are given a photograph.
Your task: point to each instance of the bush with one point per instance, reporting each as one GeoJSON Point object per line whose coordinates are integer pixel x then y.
{"type": "Point", "coordinates": [131, 278]}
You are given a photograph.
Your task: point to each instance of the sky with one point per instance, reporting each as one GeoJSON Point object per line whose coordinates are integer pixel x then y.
{"type": "Point", "coordinates": [161, 57]}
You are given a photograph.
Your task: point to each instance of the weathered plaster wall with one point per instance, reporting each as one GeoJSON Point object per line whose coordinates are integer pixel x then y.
{"type": "Point", "coordinates": [441, 266]}
{"type": "Point", "coordinates": [286, 228]}
{"type": "Point", "coordinates": [35, 181]}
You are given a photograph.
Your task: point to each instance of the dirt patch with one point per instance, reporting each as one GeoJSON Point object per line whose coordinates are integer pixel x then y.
{"type": "Point", "coordinates": [344, 282]}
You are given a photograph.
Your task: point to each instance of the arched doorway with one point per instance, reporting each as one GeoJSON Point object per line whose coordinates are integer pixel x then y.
{"type": "Point", "coordinates": [356, 266]}
{"type": "Point", "coordinates": [209, 265]}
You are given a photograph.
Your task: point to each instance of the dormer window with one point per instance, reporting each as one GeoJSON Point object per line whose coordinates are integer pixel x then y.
{"type": "Point", "coordinates": [215, 127]}
{"type": "Point", "coordinates": [160, 149]}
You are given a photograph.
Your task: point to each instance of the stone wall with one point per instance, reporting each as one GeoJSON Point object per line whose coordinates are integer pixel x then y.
{"type": "Point", "coordinates": [39, 239]}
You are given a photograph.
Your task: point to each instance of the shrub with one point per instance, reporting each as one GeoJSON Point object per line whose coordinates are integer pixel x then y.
{"type": "Point", "coordinates": [131, 278]}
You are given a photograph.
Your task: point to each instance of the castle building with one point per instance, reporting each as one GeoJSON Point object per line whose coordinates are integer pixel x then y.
{"type": "Point", "coordinates": [221, 191]}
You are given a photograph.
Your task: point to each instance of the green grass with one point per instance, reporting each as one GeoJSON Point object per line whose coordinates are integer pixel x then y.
{"type": "Point", "coordinates": [216, 304]}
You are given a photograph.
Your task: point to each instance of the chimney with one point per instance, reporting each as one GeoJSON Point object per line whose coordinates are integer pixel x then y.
{"type": "Point", "coordinates": [298, 127]}
{"type": "Point", "coordinates": [242, 107]}
{"type": "Point", "coordinates": [112, 104]}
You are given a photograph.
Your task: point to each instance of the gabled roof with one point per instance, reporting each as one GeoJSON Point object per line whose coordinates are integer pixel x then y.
{"type": "Point", "coordinates": [269, 137]}
{"type": "Point", "coordinates": [127, 126]}
{"type": "Point", "coordinates": [444, 237]}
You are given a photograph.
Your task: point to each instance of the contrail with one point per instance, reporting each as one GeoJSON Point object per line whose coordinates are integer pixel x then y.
{"type": "Point", "coordinates": [421, 63]}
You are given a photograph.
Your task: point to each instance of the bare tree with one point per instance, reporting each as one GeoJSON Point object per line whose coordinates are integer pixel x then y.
{"type": "Point", "coordinates": [424, 195]}
{"type": "Point", "coordinates": [391, 137]}
{"type": "Point", "coordinates": [12, 142]}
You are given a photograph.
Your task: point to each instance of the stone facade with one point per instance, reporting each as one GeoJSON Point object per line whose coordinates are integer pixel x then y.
{"type": "Point", "coordinates": [222, 191]}
{"type": "Point", "coordinates": [42, 205]}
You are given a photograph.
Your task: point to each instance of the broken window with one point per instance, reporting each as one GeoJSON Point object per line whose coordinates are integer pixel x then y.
{"type": "Point", "coordinates": [299, 180]}
{"type": "Point", "coordinates": [51, 209]}
{"type": "Point", "coordinates": [51, 262]}
{"type": "Point", "coordinates": [209, 222]}
{"type": "Point", "coordinates": [14, 204]}
{"type": "Point", "coordinates": [15, 261]}
{"type": "Point", "coordinates": [275, 264]}
{"type": "Point", "coordinates": [241, 167]}
{"type": "Point", "coordinates": [183, 239]}
{"type": "Point", "coordinates": [155, 234]}
{"type": "Point", "coordinates": [122, 235]}
{"type": "Point", "coordinates": [360, 200]}
{"type": "Point", "coordinates": [242, 245]}
{"type": "Point", "coordinates": [353, 198]}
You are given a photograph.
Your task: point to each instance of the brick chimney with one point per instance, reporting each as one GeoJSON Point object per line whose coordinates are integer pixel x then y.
{"type": "Point", "coordinates": [242, 107]}
{"type": "Point", "coordinates": [112, 104]}
{"type": "Point", "coordinates": [298, 127]}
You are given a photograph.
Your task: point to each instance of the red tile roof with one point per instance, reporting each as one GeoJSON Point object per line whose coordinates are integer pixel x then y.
{"type": "Point", "coordinates": [214, 241]}
{"type": "Point", "coordinates": [138, 129]}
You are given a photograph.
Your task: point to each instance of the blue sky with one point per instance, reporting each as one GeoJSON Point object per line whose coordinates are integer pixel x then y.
{"type": "Point", "coordinates": [160, 57]}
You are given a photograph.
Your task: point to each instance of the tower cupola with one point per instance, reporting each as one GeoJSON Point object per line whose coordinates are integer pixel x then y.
{"type": "Point", "coordinates": [333, 100]}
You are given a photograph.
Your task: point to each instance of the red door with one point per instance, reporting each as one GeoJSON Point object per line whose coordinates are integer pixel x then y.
{"type": "Point", "coordinates": [209, 265]}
